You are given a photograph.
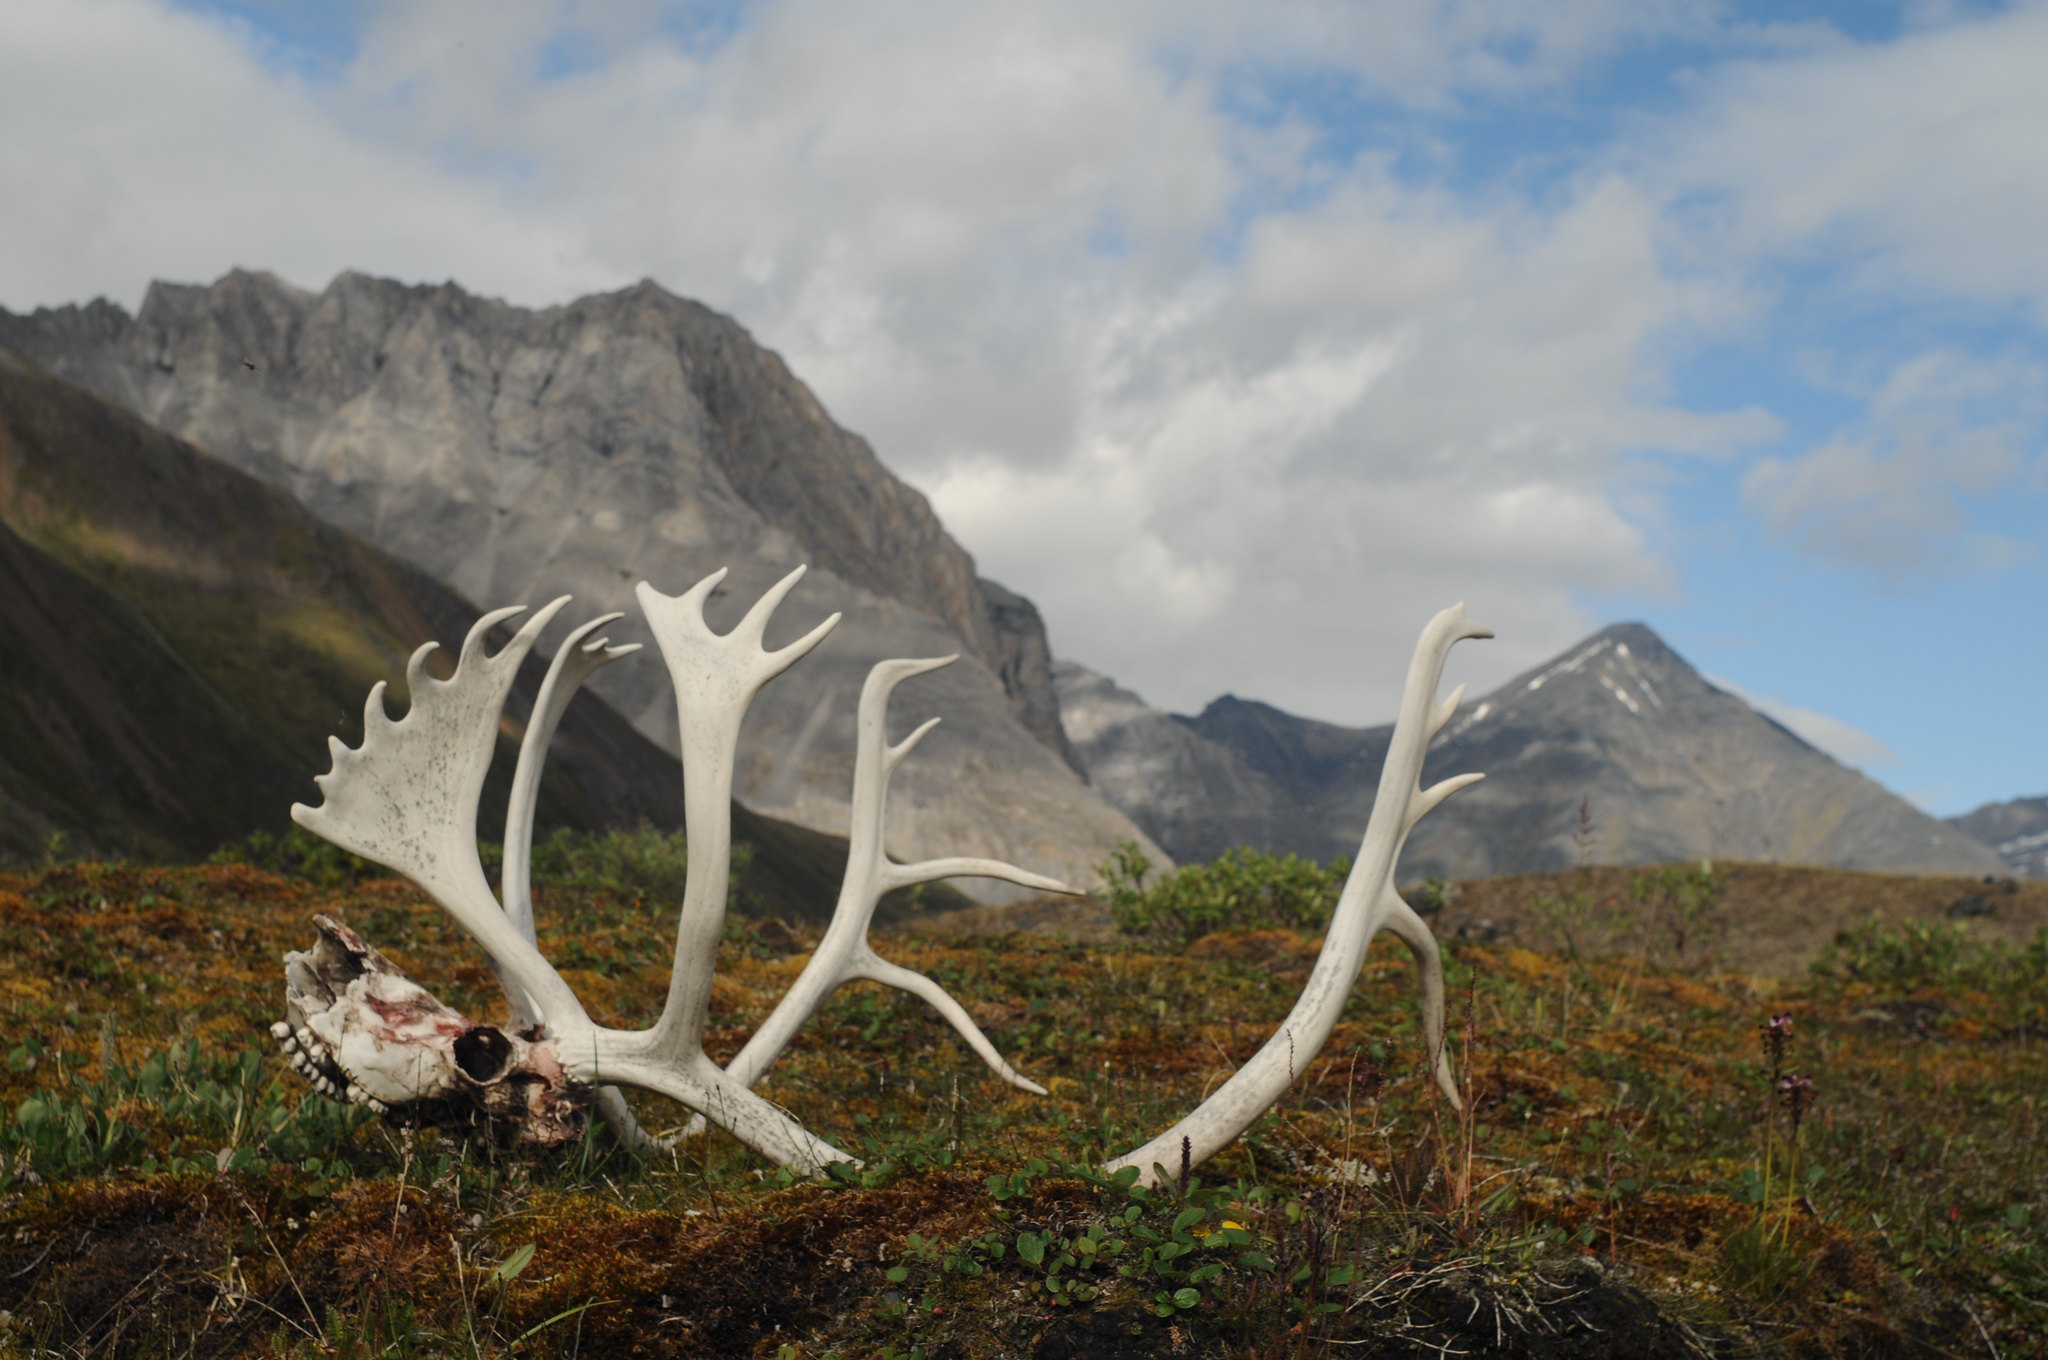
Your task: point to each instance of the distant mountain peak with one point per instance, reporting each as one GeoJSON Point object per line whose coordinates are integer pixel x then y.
{"type": "Point", "coordinates": [1668, 766]}
{"type": "Point", "coordinates": [2017, 829]}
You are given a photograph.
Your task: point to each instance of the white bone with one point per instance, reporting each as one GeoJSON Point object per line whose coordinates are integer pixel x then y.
{"type": "Point", "coordinates": [1366, 904]}
{"type": "Point", "coordinates": [575, 661]}
{"type": "Point", "coordinates": [716, 677]}
{"type": "Point", "coordinates": [845, 955]}
{"type": "Point", "coordinates": [407, 798]}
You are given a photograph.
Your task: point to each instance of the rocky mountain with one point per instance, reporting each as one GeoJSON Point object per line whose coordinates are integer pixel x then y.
{"type": "Point", "coordinates": [178, 640]}
{"type": "Point", "coordinates": [1666, 767]}
{"type": "Point", "coordinates": [518, 454]}
{"type": "Point", "coordinates": [1193, 795]}
{"type": "Point", "coordinates": [2017, 830]}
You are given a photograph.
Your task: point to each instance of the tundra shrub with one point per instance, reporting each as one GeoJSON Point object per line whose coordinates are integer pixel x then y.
{"type": "Point", "coordinates": [1241, 889]}
{"type": "Point", "coordinates": [1928, 953]}
{"type": "Point", "coordinates": [643, 863]}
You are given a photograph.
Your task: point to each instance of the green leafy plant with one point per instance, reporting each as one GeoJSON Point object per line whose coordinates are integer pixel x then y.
{"type": "Point", "coordinates": [297, 853]}
{"type": "Point", "coordinates": [1678, 899]}
{"type": "Point", "coordinates": [1170, 1244]}
{"type": "Point", "coordinates": [1241, 889]}
{"type": "Point", "coordinates": [181, 1110]}
{"type": "Point", "coordinates": [643, 862]}
{"type": "Point", "coordinates": [1632, 1141]}
{"type": "Point", "coordinates": [1911, 954]}
{"type": "Point", "coordinates": [1434, 895]}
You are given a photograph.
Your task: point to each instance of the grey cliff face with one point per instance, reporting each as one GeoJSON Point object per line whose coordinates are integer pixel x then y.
{"type": "Point", "coordinates": [2017, 830]}
{"type": "Point", "coordinates": [1023, 662]}
{"type": "Point", "coordinates": [1668, 767]}
{"type": "Point", "coordinates": [519, 454]}
{"type": "Point", "coordinates": [1192, 795]}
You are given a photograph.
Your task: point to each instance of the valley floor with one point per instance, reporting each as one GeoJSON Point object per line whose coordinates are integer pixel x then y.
{"type": "Point", "coordinates": [1627, 1180]}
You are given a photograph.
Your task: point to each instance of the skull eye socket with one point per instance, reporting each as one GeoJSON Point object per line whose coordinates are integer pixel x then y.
{"type": "Point", "coordinates": [484, 1054]}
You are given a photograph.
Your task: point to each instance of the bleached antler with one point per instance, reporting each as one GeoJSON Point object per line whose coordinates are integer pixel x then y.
{"type": "Point", "coordinates": [578, 658]}
{"type": "Point", "coordinates": [407, 798]}
{"type": "Point", "coordinates": [845, 955]}
{"type": "Point", "coordinates": [716, 678]}
{"type": "Point", "coordinates": [575, 661]}
{"type": "Point", "coordinates": [1367, 903]}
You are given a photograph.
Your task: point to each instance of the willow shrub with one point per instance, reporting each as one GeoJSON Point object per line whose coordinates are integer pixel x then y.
{"type": "Point", "coordinates": [1911, 954]}
{"type": "Point", "coordinates": [1241, 889]}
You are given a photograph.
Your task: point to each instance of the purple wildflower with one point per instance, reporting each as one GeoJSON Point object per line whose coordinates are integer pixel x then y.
{"type": "Point", "coordinates": [1795, 1093]}
{"type": "Point", "coordinates": [1777, 1038]}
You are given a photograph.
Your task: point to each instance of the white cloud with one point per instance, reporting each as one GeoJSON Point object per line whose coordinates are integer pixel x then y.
{"type": "Point", "coordinates": [1236, 417]}
{"type": "Point", "coordinates": [145, 142]}
{"type": "Point", "coordinates": [1911, 164]}
{"type": "Point", "coordinates": [1849, 744]}
{"type": "Point", "coordinates": [1886, 496]}
{"type": "Point", "coordinates": [1340, 462]}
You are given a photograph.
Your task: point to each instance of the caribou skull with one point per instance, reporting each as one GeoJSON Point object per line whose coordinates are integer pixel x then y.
{"type": "Point", "coordinates": [362, 1031]}
{"type": "Point", "coordinates": [407, 799]}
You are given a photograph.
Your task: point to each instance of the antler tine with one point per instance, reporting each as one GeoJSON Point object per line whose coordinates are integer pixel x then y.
{"type": "Point", "coordinates": [697, 594]}
{"type": "Point", "coordinates": [528, 634]}
{"type": "Point", "coordinates": [844, 955]}
{"type": "Point", "coordinates": [903, 748]}
{"type": "Point", "coordinates": [407, 797]}
{"type": "Point", "coordinates": [1444, 710]}
{"type": "Point", "coordinates": [716, 677]}
{"type": "Point", "coordinates": [575, 661]}
{"type": "Point", "coordinates": [896, 876]}
{"type": "Point", "coordinates": [874, 968]}
{"type": "Point", "coordinates": [754, 627]}
{"type": "Point", "coordinates": [1430, 798]}
{"type": "Point", "coordinates": [1410, 929]}
{"type": "Point", "coordinates": [1362, 908]}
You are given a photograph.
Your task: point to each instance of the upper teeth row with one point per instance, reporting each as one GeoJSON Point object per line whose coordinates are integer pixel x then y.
{"type": "Point", "coordinates": [313, 1060]}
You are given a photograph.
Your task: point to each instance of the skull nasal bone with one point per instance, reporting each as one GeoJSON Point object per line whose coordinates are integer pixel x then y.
{"type": "Point", "coordinates": [484, 1054]}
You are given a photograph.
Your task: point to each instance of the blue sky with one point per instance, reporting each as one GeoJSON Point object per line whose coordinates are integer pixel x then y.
{"type": "Point", "coordinates": [1240, 339]}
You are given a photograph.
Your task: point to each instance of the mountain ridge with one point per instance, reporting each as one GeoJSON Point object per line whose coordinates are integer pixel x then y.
{"type": "Point", "coordinates": [182, 639]}
{"type": "Point", "coordinates": [303, 351]}
{"type": "Point", "coordinates": [2017, 829]}
{"type": "Point", "coordinates": [1669, 766]}
{"type": "Point", "coordinates": [516, 454]}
